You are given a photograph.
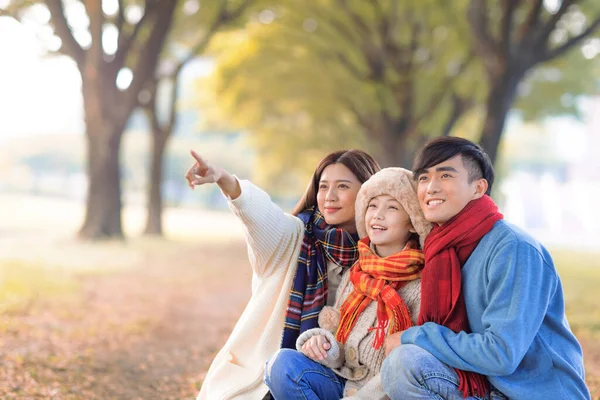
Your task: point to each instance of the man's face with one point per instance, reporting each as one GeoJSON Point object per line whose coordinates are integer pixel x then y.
{"type": "Point", "coordinates": [444, 190]}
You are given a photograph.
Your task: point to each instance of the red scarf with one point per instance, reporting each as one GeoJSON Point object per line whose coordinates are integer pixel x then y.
{"type": "Point", "coordinates": [447, 248]}
{"type": "Point", "coordinates": [378, 279]}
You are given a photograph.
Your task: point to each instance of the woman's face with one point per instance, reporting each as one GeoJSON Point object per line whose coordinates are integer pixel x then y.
{"type": "Point", "coordinates": [337, 192]}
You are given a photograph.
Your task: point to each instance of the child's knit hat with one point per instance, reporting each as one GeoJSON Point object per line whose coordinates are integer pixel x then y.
{"type": "Point", "coordinates": [398, 183]}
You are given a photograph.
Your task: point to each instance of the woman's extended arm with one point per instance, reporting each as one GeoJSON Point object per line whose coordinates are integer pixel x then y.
{"type": "Point", "coordinates": [271, 234]}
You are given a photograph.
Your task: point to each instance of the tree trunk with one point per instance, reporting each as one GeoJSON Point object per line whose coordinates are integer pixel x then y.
{"type": "Point", "coordinates": [459, 107]}
{"type": "Point", "coordinates": [500, 98]}
{"type": "Point", "coordinates": [396, 148]}
{"type": "Point", "coordinates": [155, 203]}
{"type": "Point", "coordinates": [103, 205]}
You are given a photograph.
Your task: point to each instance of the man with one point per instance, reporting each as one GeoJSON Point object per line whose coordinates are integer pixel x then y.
{"type": "Point", "coordinates": [492, 322]}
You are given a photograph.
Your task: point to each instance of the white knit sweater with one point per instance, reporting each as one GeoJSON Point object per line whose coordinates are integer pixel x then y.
{"type": "Point", "coordinates": [274, 239]}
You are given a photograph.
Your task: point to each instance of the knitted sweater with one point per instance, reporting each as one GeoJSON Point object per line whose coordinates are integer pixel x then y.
{"type": "Point", "coordinates": [520, 337]}
{"type": "Point", "coordinates": [274, 239]}
{"type": "Point", "coordinates": [357, 360]}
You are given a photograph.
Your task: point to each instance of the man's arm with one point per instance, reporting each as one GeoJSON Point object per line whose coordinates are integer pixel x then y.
{"type": "Point", "coordinates": [519, 287]}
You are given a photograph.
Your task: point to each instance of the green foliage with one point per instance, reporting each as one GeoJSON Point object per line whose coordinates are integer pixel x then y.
{"type": "Point", "coordinates": [193, 23]}
{"type": "Point", "coordinates": [324, 78]}
{"type": "Point", "coordinates": [332, 73]}
{"type": "Point", "coordinates": [554, 88]}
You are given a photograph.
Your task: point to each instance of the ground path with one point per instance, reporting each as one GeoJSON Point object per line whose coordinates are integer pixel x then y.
{"type": "Point", "coordinates": [148, 332]}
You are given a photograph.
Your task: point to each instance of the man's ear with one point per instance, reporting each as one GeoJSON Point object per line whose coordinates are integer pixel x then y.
{"type": "Point", "coordinates": [481, 186]}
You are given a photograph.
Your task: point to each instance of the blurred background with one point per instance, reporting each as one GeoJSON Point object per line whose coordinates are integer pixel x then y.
{"type": "Point", "coordinates": [117, 281]}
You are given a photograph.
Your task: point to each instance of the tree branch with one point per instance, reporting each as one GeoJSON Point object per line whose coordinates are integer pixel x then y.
{"type": "Point", "coordinates": [343, 31]}
{"type": "Point", "coordinates": [364, 121]}
{"type": "Point", "coordinates": [444, 88]}
{"type": "Point", "coordinates": [61, 27]}
{"type": "Point", "coordinates": [459, 107]}
{"type": "Point", "coordinates": [402, 56]}
{"type": "Point", "coordinates": [547, 29]}
{"type": "Point", "coordinates": [414, 45]}
{"type": "Point", "coordinates": [368, 50]}
{"type": "Point", "coordinates": [363, 28]}
{"type": "Point", "coordinates": [464, 31]}
{"type": "Point", "coordinates": [379, 13]}
{"type": "Point", "coordinates": [15, 7]}
{"type": "Point", "coordinates": [336, 27]}
{"type": "Point", "coordinates": [508, 10]}
{"type": "Point", "coordinates": [393, 14]}
{"type": "Point", "coordinates": [120, 18]}
{"type": "Point", "coordinates": [382, 104]}
{"type": "Point", "coordinates": [354, 71]}
{"type": "Point", "coordinates": [173, 102]}
{"type": "Point", "coordinates": [126, 41]}
{"type": "Point", "coordinates": [150, 107]}
{"type": "Point", "coordinates": [485, 44]}
{"type": "Point", "coordinates": [150, 51]}
{"type": "Point", "coordinates": [235, 14]}
{"type": "Point", "coordinates": [559, 51]}
{"type": "Point", "coordinates": [95, 53]}
{"type": "Point", "coordinates": [532, 21]}
{"type": "Point", "coordinates": [222, 17]}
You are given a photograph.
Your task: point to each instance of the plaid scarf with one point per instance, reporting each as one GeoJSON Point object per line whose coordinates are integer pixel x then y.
{"type": "Point", "coordinates": [447, 248]}
{"type": "Point", "coordinates": [308, 295]}
{"type": "Point", "coordinates": [379, 279]}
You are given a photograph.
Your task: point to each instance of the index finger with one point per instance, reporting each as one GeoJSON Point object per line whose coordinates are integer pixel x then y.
{"type": "Point", "coordinates": [199, 159]}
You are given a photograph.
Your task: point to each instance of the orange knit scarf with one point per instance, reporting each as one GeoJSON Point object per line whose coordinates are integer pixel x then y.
{"type": "Point", "coordinates": [379, 279]}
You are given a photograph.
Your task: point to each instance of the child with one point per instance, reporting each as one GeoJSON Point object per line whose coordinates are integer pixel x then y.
{"type": "Point", "coordinates": [378, 296]}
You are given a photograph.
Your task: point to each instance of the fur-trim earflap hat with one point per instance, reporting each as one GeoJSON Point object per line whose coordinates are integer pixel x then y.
{"type": "Point", "coordinates": [398, 183]}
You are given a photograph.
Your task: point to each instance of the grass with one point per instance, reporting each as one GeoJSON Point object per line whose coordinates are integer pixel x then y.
{"type": "Point", "coordinates": [580, 276]}
{"type": "Point", "coordinates": [22, 283]}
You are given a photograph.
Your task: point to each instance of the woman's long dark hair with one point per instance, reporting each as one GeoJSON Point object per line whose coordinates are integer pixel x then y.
{"type": "Point", "coordinates": [359, 162]}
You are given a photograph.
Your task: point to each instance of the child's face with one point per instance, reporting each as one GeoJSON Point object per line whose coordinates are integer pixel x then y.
{"type": "Point", "coordinates": [388, 225]}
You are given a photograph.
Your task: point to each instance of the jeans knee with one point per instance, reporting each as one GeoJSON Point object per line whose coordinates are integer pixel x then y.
{"type": "Point", "coordinates": [281, 367]}
{"type": "Point", "coordinates": [407, 357]}
{"type": "Point", "coordinates": [400, 369]}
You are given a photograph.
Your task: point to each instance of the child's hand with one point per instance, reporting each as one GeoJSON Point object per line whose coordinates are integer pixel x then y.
{"type": "Point", "coordinates": [316, 347]}
{"type": "Point", "coordinates": [391, 342]}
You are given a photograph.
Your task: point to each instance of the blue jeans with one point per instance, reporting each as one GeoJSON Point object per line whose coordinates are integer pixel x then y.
{"type": "Point", "coordinates": [411, 373]}
{"type": "Point", "coordinates": [291, 375]}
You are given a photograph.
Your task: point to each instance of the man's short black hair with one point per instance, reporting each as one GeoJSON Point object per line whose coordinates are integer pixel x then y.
{"type": "Point", "coordinates": [475, 159]}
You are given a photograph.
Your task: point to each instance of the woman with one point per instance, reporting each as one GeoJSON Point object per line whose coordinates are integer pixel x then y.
{"type": "Point", "coordinates": [297, 260]}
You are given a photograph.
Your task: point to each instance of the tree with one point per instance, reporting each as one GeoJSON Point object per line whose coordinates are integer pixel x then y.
{"type": "Point", "coordinates": [381, 75]}
{"type": "Point", "coordinates": [209, 22]}
{"type": "Point", "coordinates": [107, 107]}
{"type": "Point", "coordinates": [333, 69]}
{"type": "Point", "coordinates": [512, 37]}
